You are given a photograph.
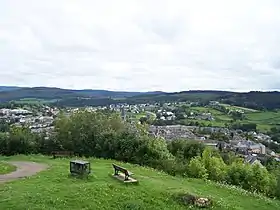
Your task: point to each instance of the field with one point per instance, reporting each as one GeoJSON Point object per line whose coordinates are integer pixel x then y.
{"type": "Point", "coordinates": [218, 115]}
{"type": "Point", "coordinates": [268, 117]}
{"type": "Point", "coordinates": [54, 189]}
{"type": "Point", "coordinates": [265, 120]}
{"type": "Point", "coordinates": [142, 114]}
{"type": "Point", "coordinates": [246, 110]}
{"type": "Point", "coordinates": [34, 101]}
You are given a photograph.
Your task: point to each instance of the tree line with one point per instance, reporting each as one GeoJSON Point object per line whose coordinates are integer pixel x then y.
{"type": "Point", "coordinates": [103, 134]}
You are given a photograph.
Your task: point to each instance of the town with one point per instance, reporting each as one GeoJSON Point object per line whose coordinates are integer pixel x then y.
{"type": "Point", "coordinates": [164, 121]}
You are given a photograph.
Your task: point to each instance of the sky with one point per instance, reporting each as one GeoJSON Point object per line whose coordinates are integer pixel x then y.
{"type": "Point", "coordinates": [147, 45]}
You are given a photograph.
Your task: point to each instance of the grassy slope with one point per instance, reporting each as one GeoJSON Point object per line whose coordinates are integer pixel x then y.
{"type": "Point", "coordinates": [6, 168]}
{"type": "Point", "coordinates": [246, 110]}
{"type": "Point", "coordinates": [220, 118]}
{"type": "Point", "coordinates": [53, 189]}
{"type": "Point", "coordinates": [264, 120]}
{"type": "Point", "coordinates": [218, 115]}
{"type": "Point", "coordinates": [34, 101]}
{"type": "Point", "coordinates": [264, 117]}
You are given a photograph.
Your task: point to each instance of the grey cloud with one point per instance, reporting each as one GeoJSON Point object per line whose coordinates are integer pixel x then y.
{"type": "Point", "coordinates": [140, 45]}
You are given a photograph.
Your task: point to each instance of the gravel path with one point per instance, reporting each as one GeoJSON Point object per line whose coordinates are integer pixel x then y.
{"type": "Point", "coordinates": [24, 169]}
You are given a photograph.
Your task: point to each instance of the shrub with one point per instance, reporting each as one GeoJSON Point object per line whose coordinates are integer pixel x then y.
{"type": "Point", "coordinates": [214, 164]}
{"type": "Point", "coordinates": [196, 168]}
{"type": "Point", "coordinates": [185, 149]}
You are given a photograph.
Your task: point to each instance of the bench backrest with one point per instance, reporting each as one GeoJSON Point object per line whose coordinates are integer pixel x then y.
{"type": "Point", "coordinates": [62, 152]}
{"type": "Point", "coordinates": [119, 168]}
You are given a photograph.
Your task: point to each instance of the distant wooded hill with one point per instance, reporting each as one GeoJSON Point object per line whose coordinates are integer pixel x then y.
{"type": "Point", "coordinates": [77, 98]}
{"type": "Point", "coordinates": [17, 93]}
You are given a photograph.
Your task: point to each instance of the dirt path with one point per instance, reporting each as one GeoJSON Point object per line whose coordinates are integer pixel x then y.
{"type": "Point", "coordinates": [24, 169]}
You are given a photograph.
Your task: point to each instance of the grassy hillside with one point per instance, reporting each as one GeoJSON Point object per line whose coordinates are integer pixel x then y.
{"type": "Point", "coordinates": [265, 120]}
{"type": "Point", "coordinates": [6, 168]}
{"type": "Point", "coordinates": [246, 110]}
{"type": "Point", "coordinates": [264, 117]}
{"type": "Point", "coordinates": [34, 101]}
{"type": "Point", "coordinates": [54, 189]}
{"type": "Point", "coordinates": [8, 88]}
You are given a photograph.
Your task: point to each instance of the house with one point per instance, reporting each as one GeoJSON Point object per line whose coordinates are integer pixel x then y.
{"type": "Point", "coordinates": [257, 148]}
{"type": "Point", "coordinates": [221, 145]}
{"type": "Point", "coordinates": [214, 103]}
{"type": "Point", "coordinates": [211, 145]}
{"type": "Point", "coordinates": [242, 147]}
{"type": "Point", "coordinates": [253, 159]}
{"type": "Point", "coordinates": [246, 147]}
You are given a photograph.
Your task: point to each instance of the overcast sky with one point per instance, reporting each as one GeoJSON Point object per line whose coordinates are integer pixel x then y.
{"type": "Point", "coordinates": [142, 45]}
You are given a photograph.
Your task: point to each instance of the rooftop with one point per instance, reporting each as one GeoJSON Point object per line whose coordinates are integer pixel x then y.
{"type": "Point", "coordinates": [79, 161]}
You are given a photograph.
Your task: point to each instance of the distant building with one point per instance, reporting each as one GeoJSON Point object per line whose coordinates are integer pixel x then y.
{"type": "Point", "coordinates": [253, 159]}
{"type": "Point", "coordinates": [123, 114]}
{"type": "Point", "coordinates": [247, 147]}
{"type": "Point", "coordinates": [214, 103]}
{"type": "Point", "coordinates": [257, 148]}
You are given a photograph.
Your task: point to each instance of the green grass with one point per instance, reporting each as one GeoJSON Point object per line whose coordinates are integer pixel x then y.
{"type": "Point", "coordinates": [6, 168]}
{"type": "Point", "coordinates": [220, 118]}
{"type": "Point", "coordinates": [34, 101]}
{"type": "Point", "coordinates": [264, 127]}
{"type": "Point", "coordinates": [240, 107]}
{"type": "Point", "coordinates": [206, 109]}
{"type": "Point", "coordinates": [267, 117]}
{"type": "Point", "coordinates": [265, 120]}
{"type": "Point", "coordinates": [54, 189]}
{"type": "Point", "coordinates": [139, 115]}
{"type": "Point", "coordinates": [152, 114]}
{"type": "Point", "coordinates": [218, 115]}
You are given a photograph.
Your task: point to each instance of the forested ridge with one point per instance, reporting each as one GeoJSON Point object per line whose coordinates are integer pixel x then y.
{"type": "Point", "coordinates": [77, 98]}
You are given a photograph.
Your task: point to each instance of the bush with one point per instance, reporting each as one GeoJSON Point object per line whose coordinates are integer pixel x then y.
{"type": "Point", "coordinates": [185, 149]}
{"type": "Point", "coordinates": [214, 164]}
{"type": "Point", "coordinates": [196, 168]}
{"type": "Point", "coordinates": [253, 178]}
{"type": "Point", "coordinates": [18, 141]}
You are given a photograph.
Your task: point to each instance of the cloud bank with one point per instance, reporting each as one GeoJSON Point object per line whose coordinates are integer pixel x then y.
{"type": "Point", "coordinates": [146, 45]}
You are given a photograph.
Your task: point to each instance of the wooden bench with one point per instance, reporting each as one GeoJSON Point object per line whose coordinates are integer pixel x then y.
{"type": "Point", "coordinates": [62, 154]}
{"type": "Point", "coordinates": [123, 170]}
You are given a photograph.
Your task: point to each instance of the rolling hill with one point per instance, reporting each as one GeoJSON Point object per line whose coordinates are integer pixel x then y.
{"type": "Point", "coordinates": [8, 88]}
{"type": "Point", "coordinates": [17, 93]}
{"type": "Point", "coordinates": [67, 97]}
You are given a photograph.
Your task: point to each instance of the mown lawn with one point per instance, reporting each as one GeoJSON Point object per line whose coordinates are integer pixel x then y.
{"type": "Point", "coordinates": [54, 189]}
{"type": "Point", "coordinates": [6, 168]}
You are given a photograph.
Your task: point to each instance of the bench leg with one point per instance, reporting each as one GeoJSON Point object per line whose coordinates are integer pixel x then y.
{"type": "Point", "coordinates": [126, 177]}
{"type": "Point", "coordinates": [116, 172]}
